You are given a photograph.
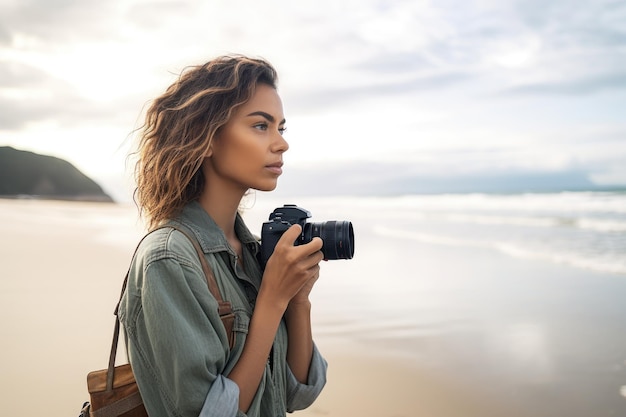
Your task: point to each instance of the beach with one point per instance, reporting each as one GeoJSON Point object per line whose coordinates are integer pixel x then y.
{"type": "Point", "coordinates": [436, 315]}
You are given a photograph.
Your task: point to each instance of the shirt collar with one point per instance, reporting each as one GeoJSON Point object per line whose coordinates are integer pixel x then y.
{"type": "Point", "coordinates": [209, 234]}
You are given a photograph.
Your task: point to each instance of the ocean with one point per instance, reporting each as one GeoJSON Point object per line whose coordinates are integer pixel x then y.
{"type": "Point", "coordinates": [582, 229]}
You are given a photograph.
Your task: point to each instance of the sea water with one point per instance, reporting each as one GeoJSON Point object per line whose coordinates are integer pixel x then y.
{"type": "Point", "coordinates": [582, 229]}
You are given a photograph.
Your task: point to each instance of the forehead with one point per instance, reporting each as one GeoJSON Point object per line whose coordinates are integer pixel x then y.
{"type": "Point", "coordinates": [265, 98]}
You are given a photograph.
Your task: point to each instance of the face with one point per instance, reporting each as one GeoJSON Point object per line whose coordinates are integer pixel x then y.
{"type": "Point", "coordinates": [247, 152]}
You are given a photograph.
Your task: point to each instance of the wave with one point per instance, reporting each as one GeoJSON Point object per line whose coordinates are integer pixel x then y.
{"type": "Point", "coordinates": [592, 261]}
{"type": "Point", "coordinates": [601, 225]}
{"type": "Point", "coordinates": [578, 260]}
{"type": "Point", "coordinates": [584, 223]}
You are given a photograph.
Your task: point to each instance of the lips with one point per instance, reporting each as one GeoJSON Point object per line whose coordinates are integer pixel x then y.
{"type": "Point", "coordinates": [276, 168]}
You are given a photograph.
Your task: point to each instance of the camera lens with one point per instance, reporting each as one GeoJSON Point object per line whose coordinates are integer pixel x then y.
{"type": "Point", "coordinates": [338, 238]}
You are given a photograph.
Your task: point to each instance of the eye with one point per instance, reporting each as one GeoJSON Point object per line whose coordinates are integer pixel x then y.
{"type": "Point", "coordinates": [282, 130]}
{"type": "Point", "coordinates": [260, 126]}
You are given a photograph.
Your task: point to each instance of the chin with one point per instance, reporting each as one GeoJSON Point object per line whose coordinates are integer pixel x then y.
{"type": "Point", "coordinates": [266, 187]}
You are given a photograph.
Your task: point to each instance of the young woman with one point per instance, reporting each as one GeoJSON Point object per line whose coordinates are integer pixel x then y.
{"type": "Point", "coordinates": [216, 133]}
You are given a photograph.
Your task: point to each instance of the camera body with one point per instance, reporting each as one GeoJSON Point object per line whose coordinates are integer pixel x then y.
{"type": "Point", "coordinates": [338, 236]}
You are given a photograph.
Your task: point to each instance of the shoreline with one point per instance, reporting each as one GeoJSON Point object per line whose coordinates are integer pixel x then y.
{"type": "Point", "coordinates": [78, 198]}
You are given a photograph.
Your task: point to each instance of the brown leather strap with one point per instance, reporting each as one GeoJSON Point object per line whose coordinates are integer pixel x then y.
{"type": "Point", "coordinates": [205, 265]}
{"type": "Point", "coordinates": [224, 307]}
{"type": "Point", "coordinates": [119, 407]}
{"type": "Point", "coordinates": [111, 368]}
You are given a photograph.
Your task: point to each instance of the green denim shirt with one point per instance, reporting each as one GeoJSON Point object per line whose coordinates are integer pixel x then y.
{"type": "Point", "coordinates": [176, 342]}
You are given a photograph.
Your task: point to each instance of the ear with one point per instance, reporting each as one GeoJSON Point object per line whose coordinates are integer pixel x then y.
{"type": "Point", "coordinates": [212, 140]}
{"type": "Point", "coordinates": [209, 152]}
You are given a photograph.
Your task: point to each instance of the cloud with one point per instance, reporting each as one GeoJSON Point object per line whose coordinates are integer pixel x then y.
{"type": "Point", "coordinates": [150, 15]}
{"type": "Point", "coordinates": [583, 86]}
{"type": "Point", "coordinates": [492, 48]}
{"type": "Point", "coordinates": [17, 75]}
{"type": "Point", "coordinates": [29, 95]}
{"type": "Point", "coordinates": [315, 99]}
{"type": "Point", "coordinates": [56, 21]}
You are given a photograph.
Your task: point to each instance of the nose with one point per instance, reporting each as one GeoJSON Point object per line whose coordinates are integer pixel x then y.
{"type": "Point", "coordinates": [279, 144]}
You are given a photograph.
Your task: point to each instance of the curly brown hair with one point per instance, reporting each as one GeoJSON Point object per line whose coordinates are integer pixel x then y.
{"type": "Point", "coordinates": [180, 126]}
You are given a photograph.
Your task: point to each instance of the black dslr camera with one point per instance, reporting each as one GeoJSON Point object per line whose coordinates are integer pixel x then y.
{"type": "Point", "coordinates": [338, 236]}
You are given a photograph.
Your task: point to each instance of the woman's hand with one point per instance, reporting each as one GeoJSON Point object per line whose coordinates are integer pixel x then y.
{"type": "Point", "coordinates": [292, 270]}
{"type": "Point", "coordinates": [302, 297]}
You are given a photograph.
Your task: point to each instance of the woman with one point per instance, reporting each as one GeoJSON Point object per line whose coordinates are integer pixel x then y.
{"type": "Point", "coordinates": [216, 133]}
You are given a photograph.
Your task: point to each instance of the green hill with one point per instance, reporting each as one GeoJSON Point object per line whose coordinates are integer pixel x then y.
{"type": "Point", "coordinates": [27, 174]}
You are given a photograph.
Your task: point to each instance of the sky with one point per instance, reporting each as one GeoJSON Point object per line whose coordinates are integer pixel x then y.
{"type": "Point", "coordinates": [376, 93]}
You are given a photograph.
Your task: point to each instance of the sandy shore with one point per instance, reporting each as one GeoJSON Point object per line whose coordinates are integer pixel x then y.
{"type": "Point", "coordinates": [60, 282]}
{"type": "Point", "coordinates": [363, 382]}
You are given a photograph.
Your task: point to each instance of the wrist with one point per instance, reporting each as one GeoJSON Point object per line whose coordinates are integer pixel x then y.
{"type": "Point", "coordinates": [297, 306]}
{"type": "Point", "coordinates": [272, 305]}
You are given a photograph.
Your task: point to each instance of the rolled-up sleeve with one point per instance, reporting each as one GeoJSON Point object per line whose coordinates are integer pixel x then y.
{"type": "Point", "coordinates": [301, 396]}
{"type": "Point", "coordinates": [222, 399]}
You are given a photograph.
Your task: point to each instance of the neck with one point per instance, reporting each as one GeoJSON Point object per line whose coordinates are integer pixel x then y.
{"type": "Point", "coordinates": [222, 205]}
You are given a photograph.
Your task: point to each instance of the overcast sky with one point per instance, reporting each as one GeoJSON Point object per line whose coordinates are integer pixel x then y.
{"type": "Point", "coordinates": [439, 87]}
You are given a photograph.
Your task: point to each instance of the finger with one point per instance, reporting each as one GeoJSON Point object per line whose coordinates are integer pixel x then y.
{"type": "Point", "coordinates": [314, 272]}
{"type": "Point", "coordinates": [313, 260]}
{"type": "Point", "coordinates": [307, 249]}
{"type": "Point", "coordinates": [290, 235]}
{"type": "Point", "coordinates": [315, 244]}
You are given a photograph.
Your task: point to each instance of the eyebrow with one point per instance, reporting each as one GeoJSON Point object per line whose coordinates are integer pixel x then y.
{"type": "Point", "coordinates": [265, 115]}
